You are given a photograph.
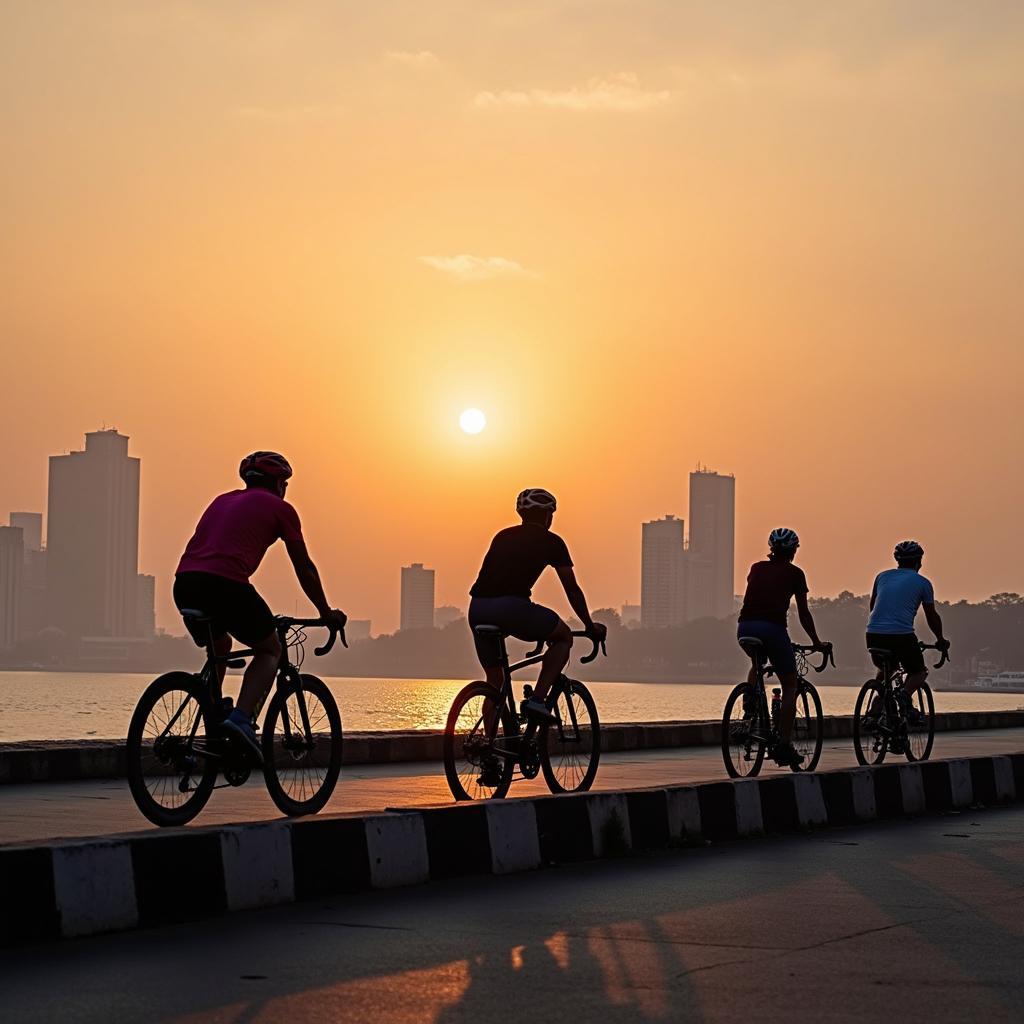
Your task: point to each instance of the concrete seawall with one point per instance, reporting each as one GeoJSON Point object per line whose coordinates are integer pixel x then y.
{"type": "Point", "coordinates": [71, 760]}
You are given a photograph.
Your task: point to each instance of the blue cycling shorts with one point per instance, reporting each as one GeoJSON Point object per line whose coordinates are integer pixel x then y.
{"type": "Point", "coordinates": [775, 638]}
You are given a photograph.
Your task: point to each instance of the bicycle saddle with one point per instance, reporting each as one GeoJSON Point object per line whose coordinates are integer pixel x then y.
{"type": "Point", "coordinates": [194, 613]}
{"type": "Point", "coordinates": [489, 630]}
{"type": "Point", "coordinates": [751, 644]}
{"type": "Point", "coordinates": [880, 652]}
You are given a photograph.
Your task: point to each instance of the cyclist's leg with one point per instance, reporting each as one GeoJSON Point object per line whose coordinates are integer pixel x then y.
{"type": "Point", "coordinates": [201, 591]}
{"type": "Point", "coordinates": [912, 659]}
{"type": "Point", "coordinates": [488, 652]}
{"type": "Point", "coordinates": [787, 712]}
{"type": "Point", "coordinates": [250, 620]}
{"type": "Point", "coordinates": [556, 657]}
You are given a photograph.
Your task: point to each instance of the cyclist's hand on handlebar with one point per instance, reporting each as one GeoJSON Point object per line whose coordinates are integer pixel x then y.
{"type": "Point", "coordinates": [334, 616]}
{"type": "Point", "coordinates": [598, 631]}
{"type": "Point", "coordinates": [942, 645]}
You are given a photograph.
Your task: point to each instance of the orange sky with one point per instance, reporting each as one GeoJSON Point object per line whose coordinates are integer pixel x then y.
{"type": "Point", "coordinates": [781, 239]}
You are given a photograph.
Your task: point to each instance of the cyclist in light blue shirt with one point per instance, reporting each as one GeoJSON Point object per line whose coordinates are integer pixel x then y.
{"type": "Point", "coordinates": [895, 598]}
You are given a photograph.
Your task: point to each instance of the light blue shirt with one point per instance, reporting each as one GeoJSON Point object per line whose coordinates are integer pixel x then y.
{"type": "Point", "coordinates": [898, 595]}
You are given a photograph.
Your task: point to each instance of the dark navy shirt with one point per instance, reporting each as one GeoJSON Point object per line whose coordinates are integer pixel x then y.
{"type": "Point", "coordinates": [516, 558]}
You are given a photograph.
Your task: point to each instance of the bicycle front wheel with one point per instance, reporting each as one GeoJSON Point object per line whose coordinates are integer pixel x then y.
{"type": "Point", "coordinates": [302, 743]}
{"type": "Point", "coordinates": [921, 735]}
{"type": "Point", "coordinates": [571, 748]}
{"type": "Point", "coordinates": [743, 732]}
{"type": "Point", "coordinates": [169, 773]}
{"type": "Point", "coordinates": [479, 758]}
{"type": "Point", "coordinates": [871, 724]}
{"type": "Point", "coordinates": [808, 727]}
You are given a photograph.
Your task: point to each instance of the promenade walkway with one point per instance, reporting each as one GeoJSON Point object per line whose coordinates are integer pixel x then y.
{"type": "Point", "coordinates": [73, 809]}
{"type": "Point", "coordinates": [897, 921]}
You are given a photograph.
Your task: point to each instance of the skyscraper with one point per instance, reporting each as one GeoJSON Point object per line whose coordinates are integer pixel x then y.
{"type": "Point", "coordinates": [93, 538]}
{"type": "Point", "coordinates": [417, 597]}
{"type": "Point", "coordinates": [710, 559]}
{"type": "Point", "coordinates": [662, 578]}
{"type": "Point", "coordinates": [12, 563]}
{"type": "Point", "coordinates": [145, 605]}
{"type": "Point", "coordinates": [31, 524]}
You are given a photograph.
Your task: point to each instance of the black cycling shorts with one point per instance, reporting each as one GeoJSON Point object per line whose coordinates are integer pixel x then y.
{"type": "Point", "coordinates": [233, 607]}
{"type": "Point", "coordinates": [903, 647]}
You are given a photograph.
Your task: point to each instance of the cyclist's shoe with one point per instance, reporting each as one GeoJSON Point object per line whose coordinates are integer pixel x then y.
{"type": "Point", "coordinates": [786, 755]}
{"type": "Point", "coordinates": [896, 745]}
{"type": "Point", "coordinates": [238, 725]}
{"type": "Point", "coordinates": [538, 712]}
{"type": "Point", "coordinates": [490, 776]}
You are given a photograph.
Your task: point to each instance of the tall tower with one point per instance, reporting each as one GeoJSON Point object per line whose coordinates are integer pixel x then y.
{"type": "Point", "coordinates": [12, 561]}
{"type": "Point", "coordinates": [92, 541]}
{"type": "Point", "coordinates": [711, 554]}
{"type": "Point", "coordinates": [417, 597]}
{"type": "Point", "coordinates": [662, 574]}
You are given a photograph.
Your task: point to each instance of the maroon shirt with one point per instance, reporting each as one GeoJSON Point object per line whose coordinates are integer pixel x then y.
{"type": "Point", "coordinates": [235, 531]}
{"type": "Point", "coordinates": [770, 586]}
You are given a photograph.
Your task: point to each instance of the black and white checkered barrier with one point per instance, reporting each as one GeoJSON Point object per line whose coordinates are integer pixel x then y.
{"type": "Point", "coordinates": [81, 887]}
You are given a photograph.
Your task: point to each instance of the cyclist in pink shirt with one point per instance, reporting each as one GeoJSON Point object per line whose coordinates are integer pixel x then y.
{"type": "Point", "coordinates": [227, 547]}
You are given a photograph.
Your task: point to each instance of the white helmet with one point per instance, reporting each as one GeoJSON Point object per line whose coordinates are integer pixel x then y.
{"type": "Point", "coordinates": [535, 497]}
{"type": "Point", "coordinates": [783, 539]}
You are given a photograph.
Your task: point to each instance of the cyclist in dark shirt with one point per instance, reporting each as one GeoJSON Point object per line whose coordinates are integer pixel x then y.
{"type": "Point", "coordinates": [501, 595]}
{"type": "Point", "coordinates": [764, 616]}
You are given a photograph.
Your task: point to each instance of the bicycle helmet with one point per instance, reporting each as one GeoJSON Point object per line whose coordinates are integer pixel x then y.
{"type": "Point", "coordinates": [266, 464]}
{"type": "Point", "coordinates": [783, 539]}
{"type": "Point", "coordinates": [907, 549]}
{"type": "Point", "coordinates": [535, 497]}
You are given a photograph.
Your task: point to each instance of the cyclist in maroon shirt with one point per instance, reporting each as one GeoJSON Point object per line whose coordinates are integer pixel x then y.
{"type": "Point", "coordinates": [765, 616]}
{"type": "Point", "coordinates": [227, 547]}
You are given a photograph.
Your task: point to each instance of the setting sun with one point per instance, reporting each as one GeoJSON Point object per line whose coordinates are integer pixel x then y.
{"type": "Point", "coordinates": [472, 421]}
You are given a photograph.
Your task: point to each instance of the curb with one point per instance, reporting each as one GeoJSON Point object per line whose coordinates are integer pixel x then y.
{"type": "Point", "coordinates": [68, 761]}
{"type": "Point", "coordinates": [72, 888]}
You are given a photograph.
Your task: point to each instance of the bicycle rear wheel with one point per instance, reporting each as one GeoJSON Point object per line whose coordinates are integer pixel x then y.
{"type": "Point", "coordinates": [743, 732]}
{"type": "Point", "coordinates": [920, 737]}
{"type": "Point", "coordinates": [571, 749]}
{"type": "Point", "coordinates": [808, 726]}
{"type": "Point", "coordinates": [872, 723]}
{"type": "Point", "coordinates": [302, 743]}
{"type": "Point", "coordinates": [477, 767]}
{"type": "Point", "coordinates": [169, 774]}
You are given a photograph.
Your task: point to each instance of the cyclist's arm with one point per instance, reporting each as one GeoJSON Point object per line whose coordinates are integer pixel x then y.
{"type": "Point", "coordinates": [308, 577]}
{"type": "Point", "coordinates": [576, 598]}
{"type": "Point", "coordinates": [806, 619]}
{"type": "Point", "coordinates": [874, 596]}
{"type": "Point", "coordinates": [934, 621]}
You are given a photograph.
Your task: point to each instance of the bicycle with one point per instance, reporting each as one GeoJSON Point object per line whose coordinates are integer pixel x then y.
{"type": "Point", "coordinates": [486, 737]}
{"type": "Point", "coordinates": [750, 726]}
{"type": "Point", "coordinates": [885, 722]}
{"type": "Point", "coordinates": [176, 749]}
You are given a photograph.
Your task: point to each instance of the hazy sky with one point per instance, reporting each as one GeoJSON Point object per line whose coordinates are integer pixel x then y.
{"type": "Point", "coordinates": [783, 239]}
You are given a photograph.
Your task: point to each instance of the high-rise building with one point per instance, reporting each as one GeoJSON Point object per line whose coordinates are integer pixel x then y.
{"type": "Point", "coordinates": [31, 524]}
{"type": "Point", "coordinates": [145, 605]}
{"type": "Point", "coordinates": [12, 564]}
{"type": "Point", "coordinates": [662, 576]}
{"type": "Point", "coordinates": [357, 629]}
{"type": "Point", "coordinates": [417, 597]}
{"type": "Point", "coordinates": [92, 539]}
{"type": "Point", "coordinates": [629, 616]}
{"type": "Point", "coordinates": [710, 558]}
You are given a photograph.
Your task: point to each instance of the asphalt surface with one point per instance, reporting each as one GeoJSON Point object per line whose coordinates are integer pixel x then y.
{"type": "Point", "coordinates": [905, 921]}
{"type": "Point", "coordinates": [72, 809]}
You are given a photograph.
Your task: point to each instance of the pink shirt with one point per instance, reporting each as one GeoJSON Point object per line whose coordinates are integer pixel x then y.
{"type": "Point", "coordinates": [235, 531]}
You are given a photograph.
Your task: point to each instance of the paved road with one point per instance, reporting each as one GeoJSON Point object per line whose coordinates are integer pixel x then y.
{"type": "Point", "coordinates": [893, 922]}
{"type": "Point", "coordinates": [49, 810]}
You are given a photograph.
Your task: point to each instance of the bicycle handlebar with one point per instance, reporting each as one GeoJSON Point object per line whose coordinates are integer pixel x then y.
{"type": "Point", "coordinates": [935, 647]}
{"type": "Point", "coordinates": [334, 629]}
{"type": "Point", "coordinates": [585, 659]}
{"type": "Point", "coordinates": [827, 655]}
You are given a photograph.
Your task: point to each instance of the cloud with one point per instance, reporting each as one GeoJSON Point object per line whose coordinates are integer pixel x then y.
{"type": "Point", "coordinates": [478, 268]}
{"type": "Point", "coordinates": [422, 60]}
{"type": "Point", "coordinates": [621, 93]}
